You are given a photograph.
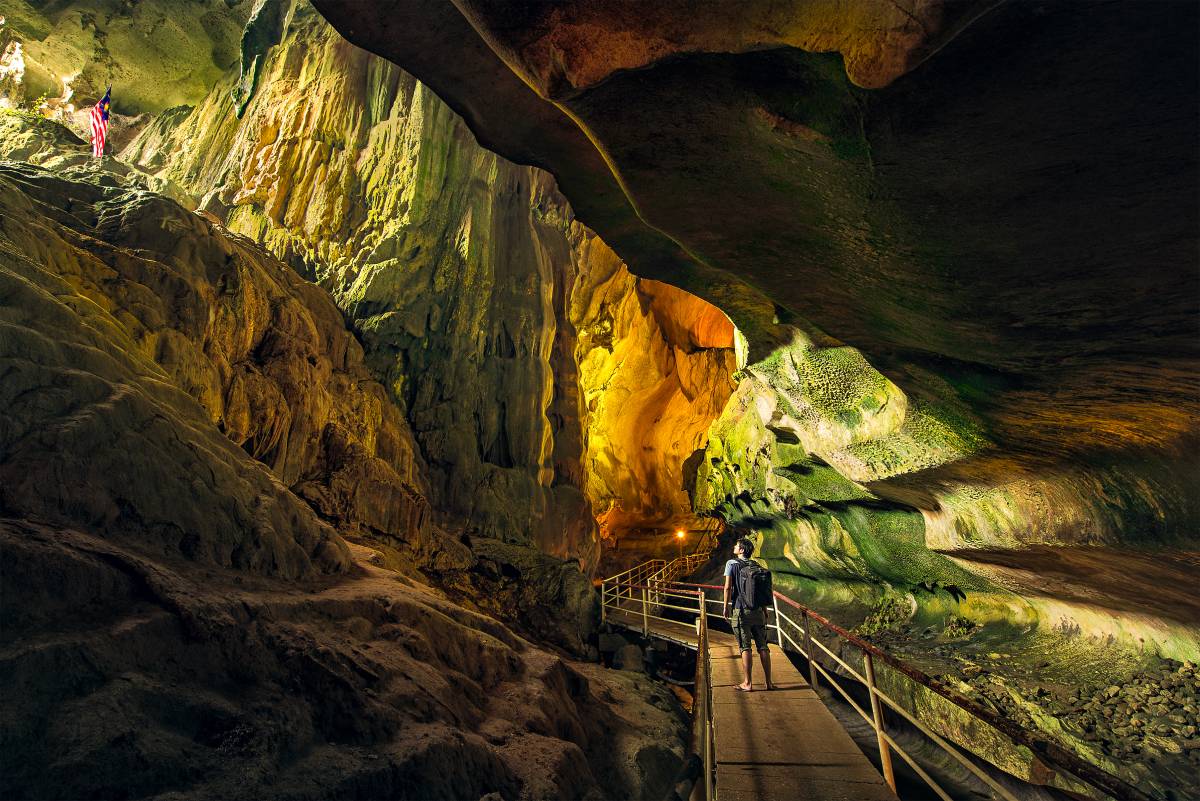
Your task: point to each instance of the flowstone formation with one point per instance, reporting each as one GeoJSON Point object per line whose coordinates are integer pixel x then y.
{"type": "Point", "coordinates": [190, 432]}
{"type": "Point", "coordinates": [574, 383]}
{"type": "Point", "coordinates": [453, 266]}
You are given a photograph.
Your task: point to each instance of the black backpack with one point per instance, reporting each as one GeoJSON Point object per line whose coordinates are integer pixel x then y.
{"type": "Point", "coordinates": [754, 586]}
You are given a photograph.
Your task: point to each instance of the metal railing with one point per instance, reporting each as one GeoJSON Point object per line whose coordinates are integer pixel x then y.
{"type": "Point", "coordinates": [646, 586]}
{"type": "Point", "coordinates": [658, 593]}
{"type": "Point", "coordinates": [1052, 755]}
{"type": "Point", "coordinates": [703, 708]}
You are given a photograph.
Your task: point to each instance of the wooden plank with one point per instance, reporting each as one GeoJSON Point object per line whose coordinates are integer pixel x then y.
{"type": "Point", "coordinates": [785, 787]}
{"type": "Point", "coordinates": [783, 745]}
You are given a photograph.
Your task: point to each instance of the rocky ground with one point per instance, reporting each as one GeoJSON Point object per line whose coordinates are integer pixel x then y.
{"type": "Point", "coordinates": [126, 677]}
{"type": "Point", "coordinates": [1132, 714]}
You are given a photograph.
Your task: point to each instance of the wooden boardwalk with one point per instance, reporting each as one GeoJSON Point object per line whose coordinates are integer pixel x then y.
{"type": "Point", "coordinates": [773, 746]}
{"type": "Point", "coordinates": [782, 745]}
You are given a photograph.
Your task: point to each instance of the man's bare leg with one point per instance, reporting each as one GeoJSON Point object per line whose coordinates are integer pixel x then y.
{"type": "Point", "coordinates": [747, 665]}
{"type": "Point", "coordinates": [764, 656]}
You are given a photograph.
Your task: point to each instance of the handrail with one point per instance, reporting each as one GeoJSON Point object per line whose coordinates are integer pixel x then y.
{"type": "Point", "coordinates": [661, 585]}
{"type": "Point", "coordinates": [640, 567]}
{"type": "Point", "coordinates": [1049, 752]}
{"type": "Point", "coordinates": [654, 581]}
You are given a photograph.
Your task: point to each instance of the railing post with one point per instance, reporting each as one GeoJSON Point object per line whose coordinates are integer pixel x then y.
{"type": "Point", "coordinates": [885, 754]}
{"type": "Point", "coordinates": [603, 601]}
{"type": "Point", "coordinates": [779, 627]}
{"type": "Point", "coordinates": [812, 656]}
{"type": "Point", "coordinates": [702, 653]}
{"type": "Point", "coordinates": [645, 612]}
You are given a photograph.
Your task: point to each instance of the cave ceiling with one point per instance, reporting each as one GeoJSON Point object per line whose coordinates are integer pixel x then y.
{"type": "Point", "coordinates": [999, 194]}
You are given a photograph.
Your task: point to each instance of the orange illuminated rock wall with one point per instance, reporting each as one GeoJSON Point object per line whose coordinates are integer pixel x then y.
{"type": "Point", "coordinates": [655, 369]}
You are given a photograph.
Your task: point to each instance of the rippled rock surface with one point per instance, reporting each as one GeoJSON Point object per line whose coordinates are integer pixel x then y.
{"type": "Point", "coordinates": [190, 430]}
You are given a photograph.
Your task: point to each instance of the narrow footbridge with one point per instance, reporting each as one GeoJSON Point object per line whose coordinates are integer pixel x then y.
{"type": "Point", "coordinates": [786, 745]}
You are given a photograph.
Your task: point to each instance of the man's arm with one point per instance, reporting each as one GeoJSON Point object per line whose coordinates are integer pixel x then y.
{"type": "Point", "coordinates": [728, 590]}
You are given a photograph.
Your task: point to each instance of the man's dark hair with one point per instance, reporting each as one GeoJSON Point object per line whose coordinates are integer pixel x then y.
{"type": "Point", "coordinates": [747, 547]}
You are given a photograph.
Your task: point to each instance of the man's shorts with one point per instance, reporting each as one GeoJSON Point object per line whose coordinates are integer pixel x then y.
{"type": "Point", "coordinates": [750, 628]}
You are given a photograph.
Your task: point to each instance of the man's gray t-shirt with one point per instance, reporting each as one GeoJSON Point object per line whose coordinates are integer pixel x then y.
{"type": "Point", "coordinates": [731, 569]}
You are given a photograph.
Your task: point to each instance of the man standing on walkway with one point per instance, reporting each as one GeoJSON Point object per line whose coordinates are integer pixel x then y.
{"type": "Point", "coordinates": [748, 589]}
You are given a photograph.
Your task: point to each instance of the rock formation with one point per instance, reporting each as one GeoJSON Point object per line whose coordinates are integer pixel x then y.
{"type": "Point", "coordinates": [972, 351]}
{"type": "Point", "coordinates": [190, 430]}
{"type": "Point", "coordinates": [1064, 350]}
{"type": "Point", "coordinates": [125, 363]}
{"type": "Point", "coordinates": [655, 370]}
{"type": "Point", "coordinates": [159, 54]}
{"type": "Point", "coordinates": [958, 408]}
{"type": "Point", "coordinates": [462, 270]}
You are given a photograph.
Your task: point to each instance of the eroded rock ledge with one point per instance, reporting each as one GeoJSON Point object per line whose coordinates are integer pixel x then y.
{"type": "Point", "coordinates": [152, 677]}
{"type": "Point", "coordinates": [170, 598]}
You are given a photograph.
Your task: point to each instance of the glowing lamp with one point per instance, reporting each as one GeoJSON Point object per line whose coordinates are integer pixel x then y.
{"type": "Point", "coordinates": [679, 534]}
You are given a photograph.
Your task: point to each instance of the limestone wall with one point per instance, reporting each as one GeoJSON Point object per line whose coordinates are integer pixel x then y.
{"type": "Point", "coordinates": [146, 360]}
{"type": "Point", "coordinates": [539, 377]}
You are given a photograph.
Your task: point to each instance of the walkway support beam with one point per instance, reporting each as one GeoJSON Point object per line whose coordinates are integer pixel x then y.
{"type": "Point", "coordinates": [705, 697]}
{"type": "Point", "coordinates": [603, 602]}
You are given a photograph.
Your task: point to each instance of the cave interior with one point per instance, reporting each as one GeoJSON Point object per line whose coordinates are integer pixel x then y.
{"type": "Point", "coordinates": [379, 334]}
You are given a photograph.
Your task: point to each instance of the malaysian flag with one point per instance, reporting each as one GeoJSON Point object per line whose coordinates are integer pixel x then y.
{"type": "Point", "coordinates": [99, 117]}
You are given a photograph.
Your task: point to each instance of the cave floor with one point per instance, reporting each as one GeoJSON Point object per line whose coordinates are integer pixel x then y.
{"type": "Point", "coordinates": [364, 684]}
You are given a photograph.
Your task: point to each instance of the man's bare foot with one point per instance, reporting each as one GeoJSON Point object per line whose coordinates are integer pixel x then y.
{"type": "Point", "coordinates": [746, 688]}
{"type": "Point", "coordinates": [772, 686]}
